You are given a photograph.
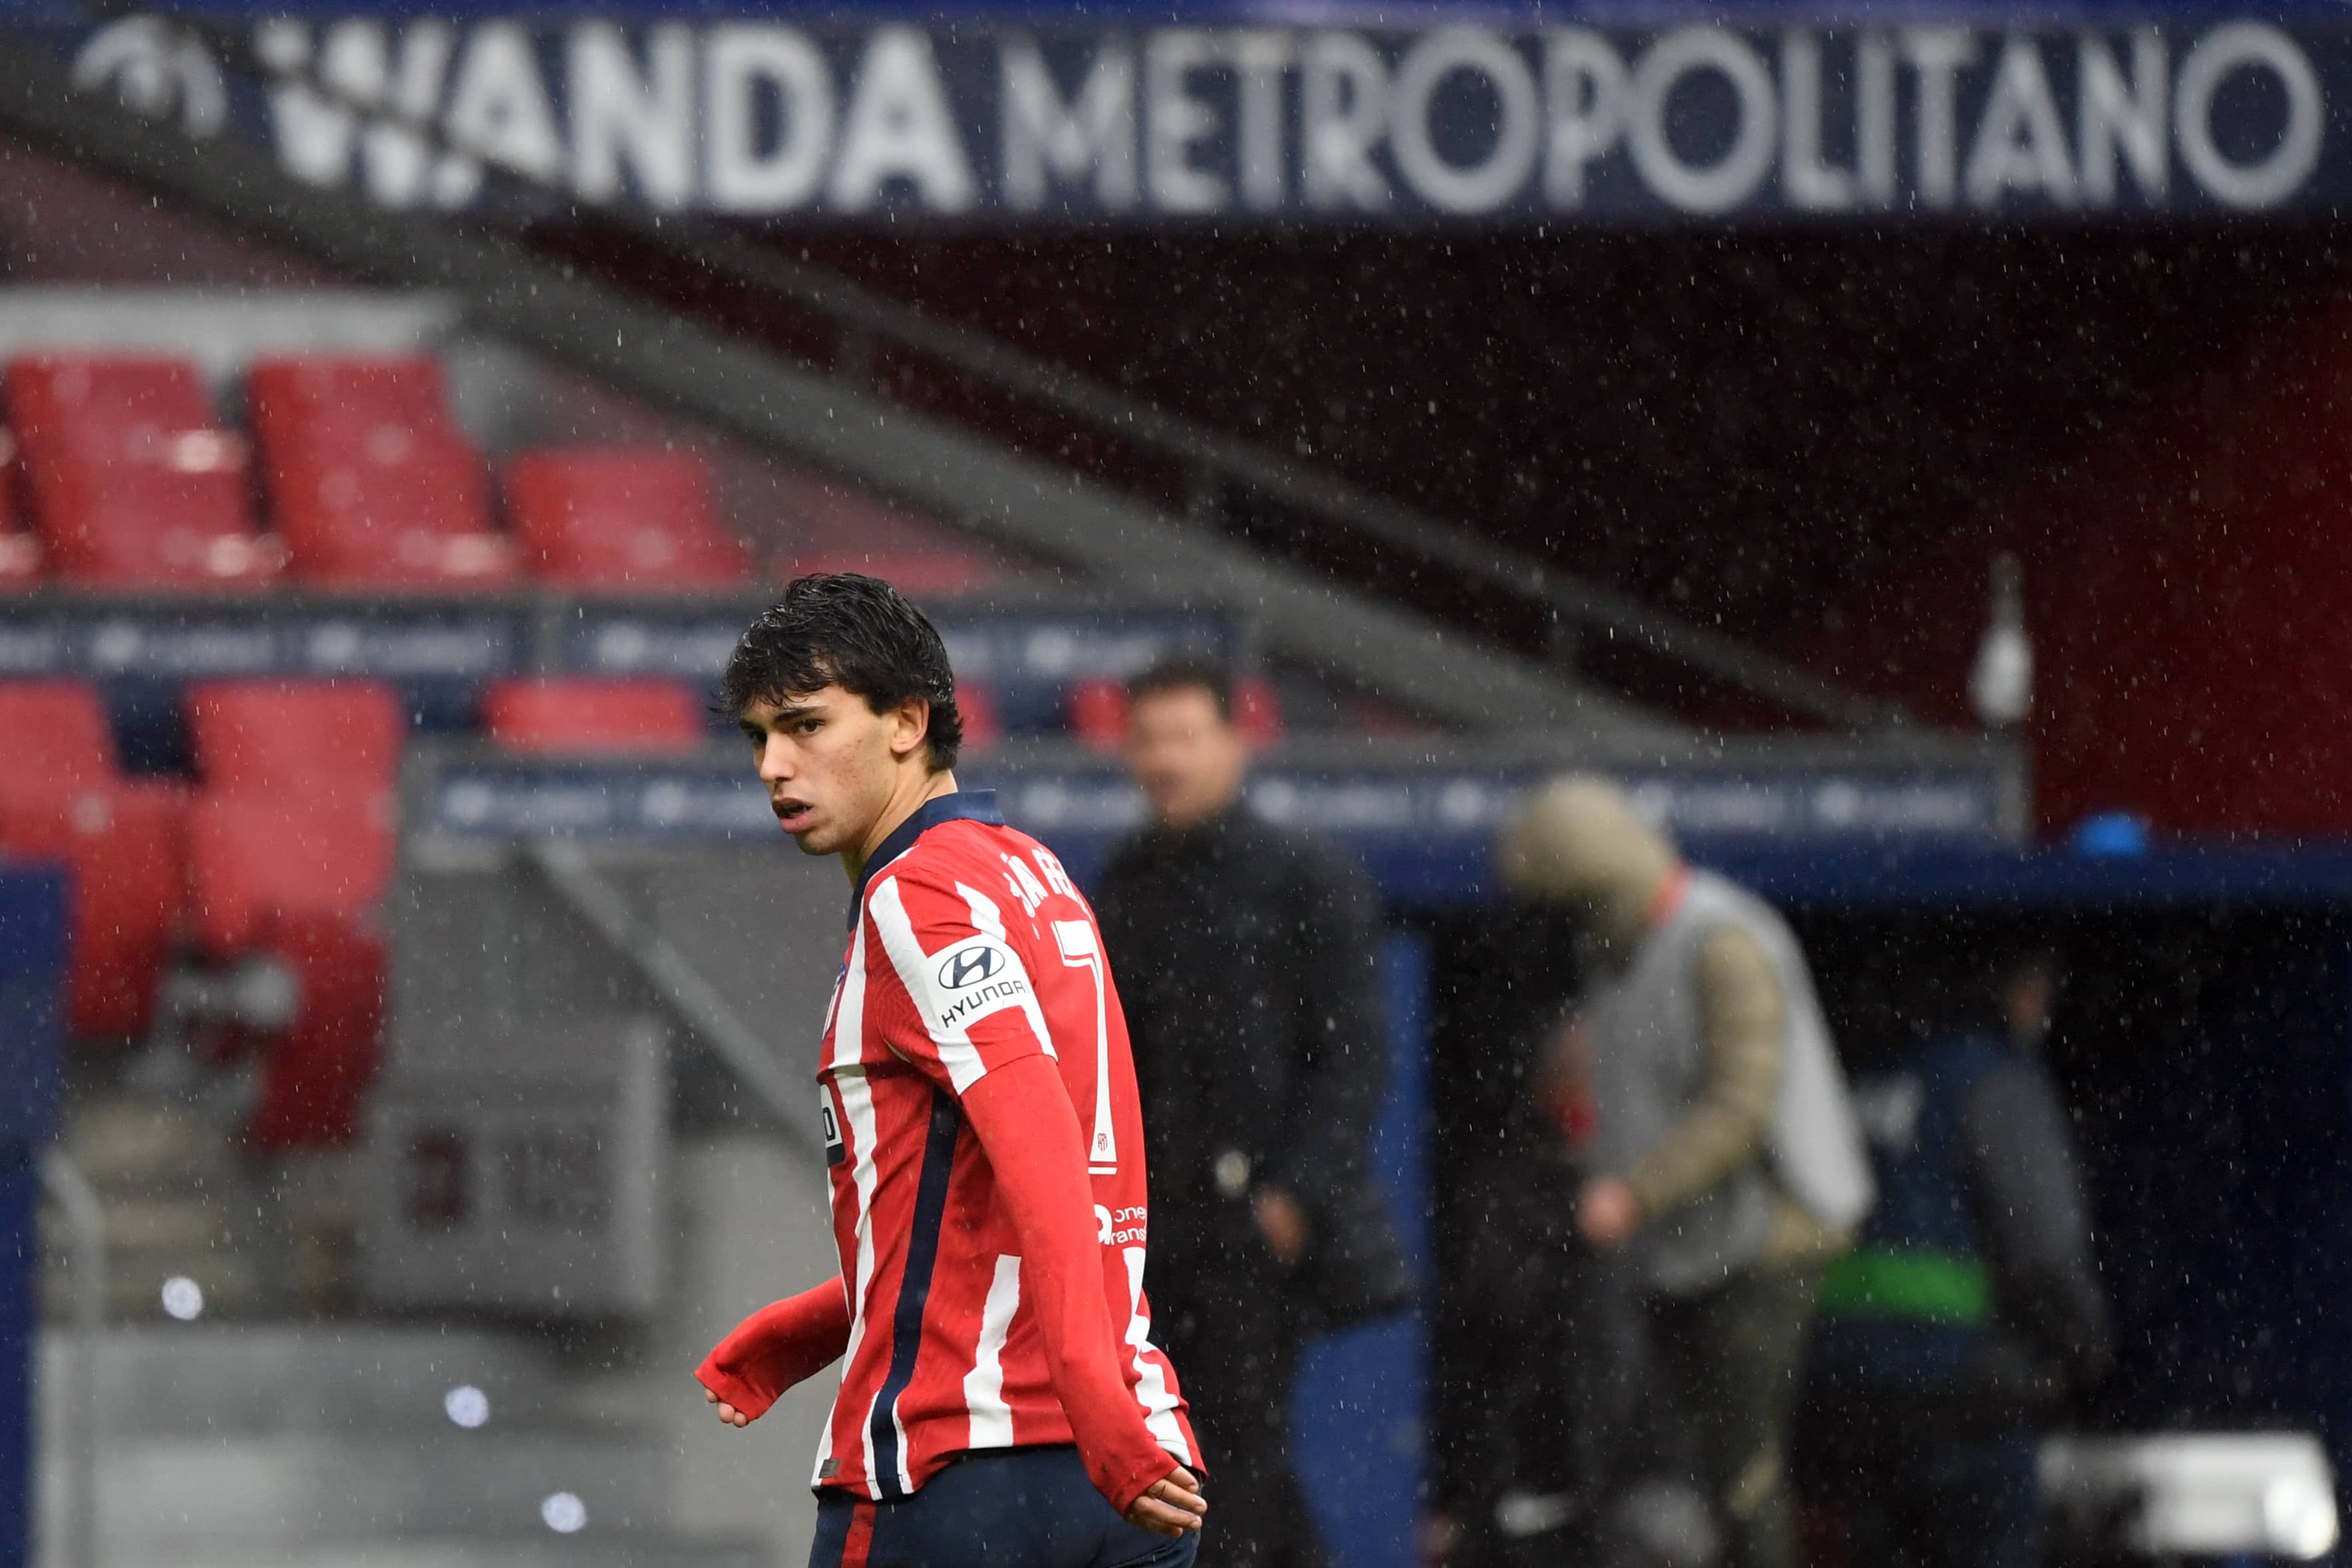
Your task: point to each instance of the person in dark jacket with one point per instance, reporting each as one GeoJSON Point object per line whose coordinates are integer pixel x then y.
{"type": "Point", "coordinates": [1972, 1308]}
{"type": "Point", "coordinates": [1249, 959]}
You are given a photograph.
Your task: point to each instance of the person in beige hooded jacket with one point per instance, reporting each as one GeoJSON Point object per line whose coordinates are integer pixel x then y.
{"type": "Point", "coordinates": [1726, 1152]}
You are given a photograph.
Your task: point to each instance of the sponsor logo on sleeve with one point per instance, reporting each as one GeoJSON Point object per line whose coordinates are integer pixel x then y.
{"type": "Point", "coordinates": [971, 965]}
{"type": "Point", "coordinates": [975, 978]}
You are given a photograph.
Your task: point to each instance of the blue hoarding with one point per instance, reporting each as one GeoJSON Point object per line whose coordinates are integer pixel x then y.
{"type": "Point", "coordinates": [1607, 112]}
{"type": "Point", "coordinates": [32, 1029]}
{"type": "Point", "coordinates": [1425, 833]}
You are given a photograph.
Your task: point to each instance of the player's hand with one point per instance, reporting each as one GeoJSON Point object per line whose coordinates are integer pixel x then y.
{"type": "Point", "coordinates": [1169, 1506]}
{"type": "Point", "coordinates": [726, 1413]}
{"type": "Point", "coordinates": [1607, 1213]}
{"type": "Point", "coordinates": [1282, 1224]}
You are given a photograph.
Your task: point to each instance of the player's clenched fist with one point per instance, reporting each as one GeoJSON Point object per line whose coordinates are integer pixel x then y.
{"type": "Point", "coordinates": [1170, 1506]}
{"type": "Point", "coordinates": [726, 1413]}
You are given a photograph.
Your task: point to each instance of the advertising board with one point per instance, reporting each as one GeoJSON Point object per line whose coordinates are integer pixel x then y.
{"type": "Point", "coordinates": [1610, 114]}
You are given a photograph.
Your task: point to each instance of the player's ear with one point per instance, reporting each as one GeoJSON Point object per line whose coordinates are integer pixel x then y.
{"type": "Point", "coordinates": [910, 725]}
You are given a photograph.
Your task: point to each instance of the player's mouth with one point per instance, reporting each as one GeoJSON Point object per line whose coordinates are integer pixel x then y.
{"type": "Point", "coordinates": [793, 816]}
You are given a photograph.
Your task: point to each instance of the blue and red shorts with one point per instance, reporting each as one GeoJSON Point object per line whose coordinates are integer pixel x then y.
{"type": "Point", "coordinates": [1020, 1507]}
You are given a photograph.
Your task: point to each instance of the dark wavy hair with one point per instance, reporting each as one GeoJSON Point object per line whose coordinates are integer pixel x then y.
{"type": "Point", "coordinates": [1185, 670]}
{"type": "Point", "coordinates": [857, 632]}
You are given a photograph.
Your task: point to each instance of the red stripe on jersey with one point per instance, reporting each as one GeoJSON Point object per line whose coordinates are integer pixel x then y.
{"type": "Point", "coordinates": [971, 949]}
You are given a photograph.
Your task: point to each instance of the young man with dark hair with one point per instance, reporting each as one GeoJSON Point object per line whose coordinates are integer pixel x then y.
{"type": "Point", "coordinates": [1001, 1400]}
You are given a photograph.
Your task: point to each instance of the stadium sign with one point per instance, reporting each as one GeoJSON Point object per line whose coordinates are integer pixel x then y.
{"type": "Point", "coordinates": [1424, 832]}
{"type": "Point", "coordinates": [442, 656]}
{"type": "Point", "coordinates": [989, 121]}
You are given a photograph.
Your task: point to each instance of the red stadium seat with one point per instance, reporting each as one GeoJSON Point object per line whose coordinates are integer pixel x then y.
{"type": "Point", "coordinates": [1097, 710]}
{"type": "Point", "coordinates": [61, 798]}
{"type": "Point", "coordinates": [305, 738]}
{"type": "Point", "coordinates": [122, 844]}
{"type": "Point", "coordinates": [132, 483]}
{"type": "Point", "coordinates": [369, 478]}
{"type": "Point", "coordinates": [57, 739]}
{"type": "Point", "coordinates": [21, 557]}
{"type": "Point", "coordinates": [255, 860]}
{"type": "Point", "coordinates": [290, 851]}
{"type": "Point", "coordinates": [983, 725]}
{"type": "Point", "coordinates": [589, 715]}
{"type": "Point", "coordinates": [315, 1074]}
{"type": "Point", "coordinates": [1257, 711]}
{"type": "Point", "coordinates": [300, 877]}
{"type": "Point", "coordinates": [621, 520]}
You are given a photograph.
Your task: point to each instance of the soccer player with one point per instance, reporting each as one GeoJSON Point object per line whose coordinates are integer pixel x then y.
{"type": "Point", "coordinates": [1001, 1401]}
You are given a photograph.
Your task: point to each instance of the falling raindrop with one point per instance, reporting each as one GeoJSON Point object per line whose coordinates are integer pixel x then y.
{"type": "Point", "coordinates": [183, 1298]}
{"type": "Point", "coordinates": [466, 1405]}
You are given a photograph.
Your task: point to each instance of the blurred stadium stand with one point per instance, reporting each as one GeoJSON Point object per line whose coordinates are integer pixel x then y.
{"type": "Point", "coordinates": [527, 953]}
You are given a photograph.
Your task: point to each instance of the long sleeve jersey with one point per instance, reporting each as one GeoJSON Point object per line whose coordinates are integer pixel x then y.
{"type": "Point", "coordinates": [971, 957]}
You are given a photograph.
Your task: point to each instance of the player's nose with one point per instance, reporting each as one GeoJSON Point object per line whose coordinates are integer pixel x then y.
{"type": "Point", "coordinates": [776, 759]}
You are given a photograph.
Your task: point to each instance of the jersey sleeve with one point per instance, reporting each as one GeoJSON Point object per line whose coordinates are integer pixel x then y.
{"type": "Point", "coordinates": [781, 1344]}
{"type": "Point", "coordinates": [976, 1005]}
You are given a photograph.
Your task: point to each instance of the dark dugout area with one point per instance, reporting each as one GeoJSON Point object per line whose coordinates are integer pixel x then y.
{"type": "Point", "coordinates": [2200, 1047]}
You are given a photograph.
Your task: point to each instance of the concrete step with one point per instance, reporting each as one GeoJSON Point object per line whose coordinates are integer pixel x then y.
{"type": "Point", "coordinates": [301, 1489]}
{"type": "Point", "coordinates": [261, 1378]}
{"type": "Point", "coordinates": [126, 1143]}
{"type": "Point", "coordinates": [162, 1224]}
{"type": "Point", "coordinates": [231, 1282]}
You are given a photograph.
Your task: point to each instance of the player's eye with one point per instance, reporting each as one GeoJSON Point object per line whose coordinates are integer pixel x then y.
{"type": "Point", "coordinates": [808, 726]}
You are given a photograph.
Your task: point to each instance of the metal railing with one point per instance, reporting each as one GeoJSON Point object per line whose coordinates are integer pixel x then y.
{"type": "Point", "coordinates": [85, 1224]}
{"type": "Point", "coordinates": [860, 318]}
{"type": "Point", "coordinates": [571, 874]}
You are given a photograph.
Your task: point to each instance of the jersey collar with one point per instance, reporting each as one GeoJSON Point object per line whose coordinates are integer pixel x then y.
{"type": "Point", "coordinates": [963, 805]}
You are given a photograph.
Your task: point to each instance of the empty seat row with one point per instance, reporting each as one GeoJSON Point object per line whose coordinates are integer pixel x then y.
{"type": "Point", "coordinates": [129, 479]}
{"type": "Point", "coordinates": [131, 482]}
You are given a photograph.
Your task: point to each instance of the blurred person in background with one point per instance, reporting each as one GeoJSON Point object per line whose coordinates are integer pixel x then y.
{"type": "Point", "coordinates": [1724, 1149]}
{"type": "Point", "coordinates": [1250, 958]}
{"type": "Point", "coordinates": [1971, 1310]}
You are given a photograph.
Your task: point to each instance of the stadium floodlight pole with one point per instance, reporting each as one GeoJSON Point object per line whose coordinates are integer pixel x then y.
{"type": "Point", "coordinates": [861, 317]}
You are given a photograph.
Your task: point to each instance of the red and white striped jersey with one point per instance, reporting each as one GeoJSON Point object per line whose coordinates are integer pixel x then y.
{"type": "Point", "coordinates": [969, 949]}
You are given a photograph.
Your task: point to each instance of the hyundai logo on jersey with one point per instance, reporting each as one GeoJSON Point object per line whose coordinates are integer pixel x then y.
{"type": "Point", "coordinates": [969, 967]}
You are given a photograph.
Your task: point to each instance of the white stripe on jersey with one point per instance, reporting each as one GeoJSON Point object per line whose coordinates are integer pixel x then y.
{"type": "Point", "coordinates": [858, 1119]}
{"type": "Point", "coordinates": [985, 913]}
{"type": "Point", "coordinates": [944, 1016]}
{"type": "Point", "coordinates": [1080, 950]}
{"type": "Point", "coordinates": [1152, 1391]}
{"type": "Point", "coordinates": [983, 1385]}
